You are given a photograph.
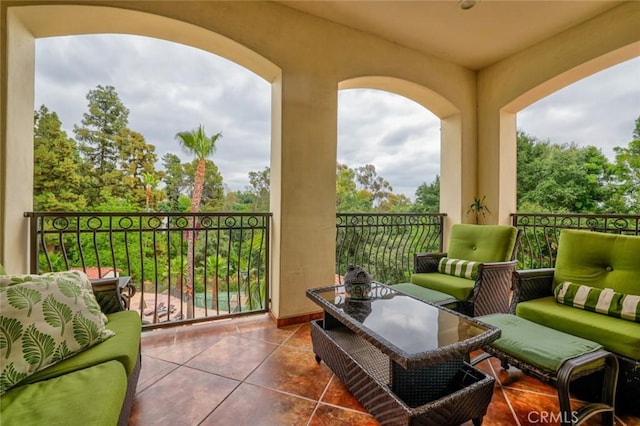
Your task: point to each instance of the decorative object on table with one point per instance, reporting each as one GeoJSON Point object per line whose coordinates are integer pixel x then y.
{"type": "Point", "coordinates": [357, 283]}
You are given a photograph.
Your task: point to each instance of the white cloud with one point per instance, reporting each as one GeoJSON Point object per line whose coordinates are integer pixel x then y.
{"type": "Point", "coordinates": [600, 110]}
{"type": "Point", "coordinates": [170, 87]}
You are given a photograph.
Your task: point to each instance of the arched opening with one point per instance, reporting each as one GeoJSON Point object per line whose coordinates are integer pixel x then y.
{"type": "Point", "coordinates": [569, 139]}
{"type": "Point", "coordinates": [24, 25]}
{"type": "Point", "coordinates": [397, 140]}
{"type": "Point", "coordinates": [452, 174]}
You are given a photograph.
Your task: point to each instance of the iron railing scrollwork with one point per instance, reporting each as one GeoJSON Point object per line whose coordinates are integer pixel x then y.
{"type": "Point", "coordinates": [384, 244]}
{"type": "Point", "coordinates": [541, 232]}
{"type": "Point", "coordinates": [230, 276]}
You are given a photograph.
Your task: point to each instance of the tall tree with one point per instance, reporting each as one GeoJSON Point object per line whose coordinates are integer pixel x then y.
{"type": "Point", "coordinates": [136, 158]}
{"type": "Point", "coordinates": [198, 144]}
{"type": "Point", "coordinates": [561, 178]}
{"type": "Point", "coordinates": [379, 188]}
{"type": "Point", "coordinates": [150, 181]}
{"type": "Point", "coordinates": [259, 189]}
{"type": "Point", "coordinates": [348, 198]}
{"type": "Point", "coordinates": [174, 181]}
{"type": "Point", "coordinates": [103, 127]}
{"type": "Point", "coordinates": [627, 169]}
{"type": "Point", "coordinates": [58, 181]}
{"type": "Point", "coordinates": [428, 197]}
{"type": "Point", "coordinates": [212, 197]}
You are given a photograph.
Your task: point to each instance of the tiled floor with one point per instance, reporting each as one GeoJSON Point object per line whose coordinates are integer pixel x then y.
{"type": "Point", "coordinates": [246, 371]}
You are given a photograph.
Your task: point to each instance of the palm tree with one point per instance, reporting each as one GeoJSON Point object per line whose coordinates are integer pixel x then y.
{"type": "Point", "coordinates": [197, 143]}
{"type": "Point", "coordinates": [150, 182]}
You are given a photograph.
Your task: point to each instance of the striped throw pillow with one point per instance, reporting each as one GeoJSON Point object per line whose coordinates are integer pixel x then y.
{"type": "Point", "coordinates": [605, 301]}
{"type": "Point", "coordinates": [459, 268]}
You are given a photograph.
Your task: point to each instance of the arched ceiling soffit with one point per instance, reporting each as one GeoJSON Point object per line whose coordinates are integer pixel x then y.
{"type": "Point", "coordinates": [424, 96]}
{"type": "Point", "coordinates": [64, 20]}
{"type": "Point", "coordinates": [573, 75]}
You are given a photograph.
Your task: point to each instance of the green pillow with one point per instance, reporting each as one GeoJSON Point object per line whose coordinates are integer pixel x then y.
{"type": "Point", "coordinates": [459, 268]}
{"type": "Point", "coordinates": [2, 270]}
{"type": "Point", "coordinates": [604, 301]}
{"type": "Point", "coordinates": [45, 319]}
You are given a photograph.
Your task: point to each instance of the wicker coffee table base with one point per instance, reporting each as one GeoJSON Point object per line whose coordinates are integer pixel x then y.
{"type": "Point", "coordinates": [365, 371]}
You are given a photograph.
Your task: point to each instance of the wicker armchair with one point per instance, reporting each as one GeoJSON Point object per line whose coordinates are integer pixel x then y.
{"type": "Point", "coordinates": [494, 248]}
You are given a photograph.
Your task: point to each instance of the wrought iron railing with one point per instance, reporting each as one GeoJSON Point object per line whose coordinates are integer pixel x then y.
{"type": "Point", "coordinates": [229, 253]}
{"type": "Point", "coordinates": [540, 233]}
{"type": "Point", "coordinates": [384, 244]}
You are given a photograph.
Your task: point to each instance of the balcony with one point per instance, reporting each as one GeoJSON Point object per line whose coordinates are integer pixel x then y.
{"type": "Point", "coordinates": [241, 367]}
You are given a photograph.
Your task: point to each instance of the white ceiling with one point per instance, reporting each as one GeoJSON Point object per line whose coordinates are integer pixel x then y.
{"type": "Point", "coordinates": [474, 38]}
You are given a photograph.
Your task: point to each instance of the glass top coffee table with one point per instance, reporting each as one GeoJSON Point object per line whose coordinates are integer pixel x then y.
{"type": "Point", "coordinates": [402, 357]}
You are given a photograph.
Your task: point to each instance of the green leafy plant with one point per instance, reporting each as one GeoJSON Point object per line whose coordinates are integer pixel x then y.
{"type": "Point", "coordinates": [478, 208]}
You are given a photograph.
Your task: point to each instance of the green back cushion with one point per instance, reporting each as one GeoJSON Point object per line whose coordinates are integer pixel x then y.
{"type": "Point", "coordinates": [604, 301]}
{"type": "Point", "coordinates": [599, 260]}
{"type": "Point", "coordinates": [482, 243]}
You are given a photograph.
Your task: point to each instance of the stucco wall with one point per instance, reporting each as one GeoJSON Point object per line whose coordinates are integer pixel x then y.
{"type": "Point", "coordinates": [522, 79]}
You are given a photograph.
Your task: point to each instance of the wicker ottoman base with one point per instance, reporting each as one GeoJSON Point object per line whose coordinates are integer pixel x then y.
{"type": "Point", "coordinates": [365, 371]}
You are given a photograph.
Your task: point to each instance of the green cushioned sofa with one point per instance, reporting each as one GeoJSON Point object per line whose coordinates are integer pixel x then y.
{"type": "Point", "coordinates": [94, 387]}
{"type": "Point", "coordinates": [493, 247]}
{"type": "Point", "coordinates": [595, 260]}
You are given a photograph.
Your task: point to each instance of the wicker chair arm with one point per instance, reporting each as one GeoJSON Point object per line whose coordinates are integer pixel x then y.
{"type": "Point", "coordinates": [492, 287]}
{"type": "Point", "coordinates": [426, 262]}
{"type": "Point", "coordinates": [113, 294]}
{"type": "Point", "coordinates": [531, 284]}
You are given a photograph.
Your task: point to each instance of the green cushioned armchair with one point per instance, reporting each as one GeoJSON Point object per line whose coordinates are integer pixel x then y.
{"type": "Point", "coordinates": [599, 261]}
{"type": "Point", "coordinates": [493, 246]}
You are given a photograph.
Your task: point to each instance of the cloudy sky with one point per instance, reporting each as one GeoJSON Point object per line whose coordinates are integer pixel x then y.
{"type": "Point", "coordinates": [170, 88]}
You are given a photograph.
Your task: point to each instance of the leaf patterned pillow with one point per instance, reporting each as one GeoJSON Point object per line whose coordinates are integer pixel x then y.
{"type": "Point", "coordinates": [45, 319]}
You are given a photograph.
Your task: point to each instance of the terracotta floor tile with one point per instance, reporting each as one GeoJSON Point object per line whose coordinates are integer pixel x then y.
{"type": "Point", "coordinates": [329, 415]}
{"type": "Point", "coordinates": [233, 356]}
{"type": "Point", "coordinates": [499, 412]}
{"type": "Point", "coordinates": [181, 352]}
{"type": "Point", "coordinates": [266, 332]}
{"type": "Point", "coordinates": [183, 397]}
{"type": "Point", "coordinates": [338, 394]}
{"type": "Point", "coordinates": [293, 370]}
{"type": "Point", "coordinates": [254, 405]}
{"type": "Point", "coordinates": [206, 330]}
{"type": "Point", "coordinates": [301, 338]}
{"type": "Point", "coordinates": [153, 370]}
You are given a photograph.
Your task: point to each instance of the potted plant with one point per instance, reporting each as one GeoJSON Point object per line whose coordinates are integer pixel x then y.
{"type": "Point", "coordinates": [478, 208]}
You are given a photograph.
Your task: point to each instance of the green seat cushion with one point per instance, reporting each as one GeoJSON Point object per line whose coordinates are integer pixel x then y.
{"type": "Point", "coordinates": [616, 335]}
{"type": "Point", "coordinates": [91, 396]}
{"type": "Point", "coordinates": [482, 243]}
{"type": "Point", "coordinates": [537, 345]}
{"type": "Point", "coordinates": [424, 293]}
{"type": "Point", "coordinates": [460, 288]}
{"type": "Point", "coordinates": [123, 347]}
{"type": "Point", "coordinates": [599, 260]}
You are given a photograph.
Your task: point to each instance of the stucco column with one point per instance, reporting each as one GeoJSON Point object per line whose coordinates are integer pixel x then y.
{"type": "Point", "coordinates": [497, 154]}
{"type": "Point", "coordinates": [303, 173]}
{"type": "Point", "coordinates": [16, 144]}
